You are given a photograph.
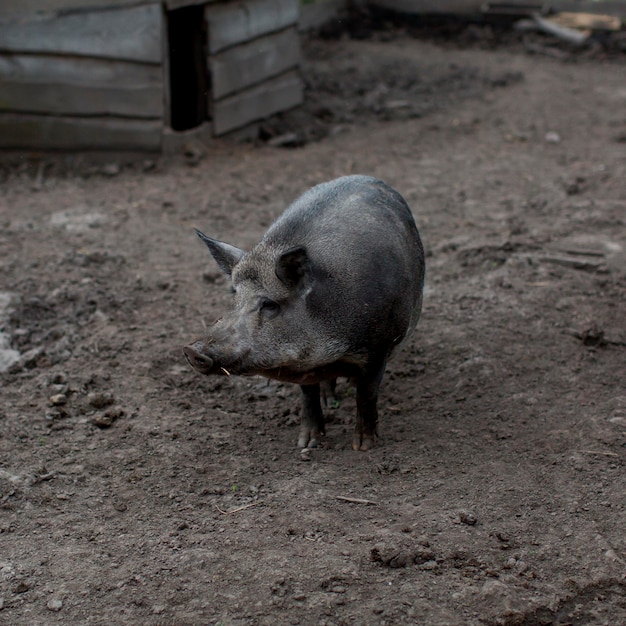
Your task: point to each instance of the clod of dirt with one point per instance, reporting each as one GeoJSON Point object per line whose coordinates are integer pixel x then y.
{"type": "Point", "coordinates": [21, 587]}
{"type": "Point", "coordinates": [106, 420]}
{"type": "Point", "coordinates": [395, 558]}
{"type": "Point", "coordinates": [466, 517]}
{"type": "Point", "coordinates": [593, 336]}
{"type": "Point", "coordinates": [100, 400]}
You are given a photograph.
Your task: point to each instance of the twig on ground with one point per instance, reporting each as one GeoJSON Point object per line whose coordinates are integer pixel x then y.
{"type": "Point", "coordinates": [600, 453]}
{"type": "Point", "coordinates": [356, 500]}
{"type": "Point", "coordinates": [241, 508]}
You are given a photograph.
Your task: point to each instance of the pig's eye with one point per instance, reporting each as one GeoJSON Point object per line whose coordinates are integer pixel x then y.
{"type": "Point", "coordinates": [268, 307]}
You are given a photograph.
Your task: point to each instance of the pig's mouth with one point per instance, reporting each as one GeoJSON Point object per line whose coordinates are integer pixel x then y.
{"type": "Point", "coordinates": [205, 364]}
{"type": "Point", "coordinates": [201, 362]}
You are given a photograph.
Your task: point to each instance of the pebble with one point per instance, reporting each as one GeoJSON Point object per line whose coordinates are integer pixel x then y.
{"type": "Point", "coordinates": [54, 604]}
{"type": "Point", "coordinates": [305, 454]}
{"type": "Point", "coordinates": [552, 137]}
{"type": "Point", "coordinates": [110, 169]}
{"type": "Point", "coordinates": [58, 399]}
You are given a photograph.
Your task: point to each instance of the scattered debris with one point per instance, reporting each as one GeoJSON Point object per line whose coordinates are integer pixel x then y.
{"type": "Point", "coordinates": [550, 26]}
{"type": "Point", "coordinates": [587, 21]}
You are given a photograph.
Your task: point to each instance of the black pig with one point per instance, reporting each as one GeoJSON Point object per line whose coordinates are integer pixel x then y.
{"type": "Point", "coordinates": [331, 289]}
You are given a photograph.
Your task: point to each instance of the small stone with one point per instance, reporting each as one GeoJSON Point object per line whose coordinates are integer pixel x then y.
{"type": "Point", "coordinates": [58, 399]}
{"type": "Point", "coordinates": [54, 604]}
{"type": "Point", "coordinates": [157, 609]}
{"type": "Point", "coordinates": [110, 169]}
{"type": "Point", "coordinates": [305, 454]}
{"type": "Point", "coordinates": [552, 137]}
{"type": "Point", "coordinates": [284, 140]}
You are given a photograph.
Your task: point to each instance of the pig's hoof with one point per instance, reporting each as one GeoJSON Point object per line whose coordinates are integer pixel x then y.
{"type": "Point", "coordinates": [310, 437]}
{"type": "Point", "coordinates": [363, 442]}
{"type": "Point", "coordinates": [308, 440]}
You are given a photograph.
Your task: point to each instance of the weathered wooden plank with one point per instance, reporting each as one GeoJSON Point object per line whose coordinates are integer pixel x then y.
{"type": "Point", "coordinates": [251, 63]}
{"type": "Point", "coordinates": [132, 34]}
{"type": "Point", "coordinates": [272, 96]}
{"type": "Point", "coordinates": [11, 9]}
{"type": "Point", "coordinates": [47, 132]}
{"type": "Point", "coordinates": [230, 24]}
{"type": "Point", "coordinates": [178, 4]}
{"type": "Point", "coordinates": [80, 86]}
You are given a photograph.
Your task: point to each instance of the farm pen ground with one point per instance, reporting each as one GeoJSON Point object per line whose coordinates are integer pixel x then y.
{"type": "Point", "coordinates": [156, 496]}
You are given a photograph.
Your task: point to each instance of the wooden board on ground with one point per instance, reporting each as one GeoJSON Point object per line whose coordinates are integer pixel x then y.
{"type": "Point", "coordinates": [251, 63]}
{"type": "Point", "coordinates": [132, 34]}
{"type": "Point", "coordinates": [48, 132]}
{"type": "Point", "coordinates": [230, 24]}
{"type": "Point", "coordinates": [277, 94]}
{"type": "Point", "coordinates": [79, 86]}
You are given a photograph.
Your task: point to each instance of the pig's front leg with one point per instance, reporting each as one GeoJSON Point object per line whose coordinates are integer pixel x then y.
{"type": "Point", "coordinates": [367, 385]}
{"type": "Point", "coordinates": [312, 418]}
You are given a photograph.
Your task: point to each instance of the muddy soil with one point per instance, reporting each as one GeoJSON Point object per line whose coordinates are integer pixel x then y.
{"type": "Point", "coordinates": [135, 491]}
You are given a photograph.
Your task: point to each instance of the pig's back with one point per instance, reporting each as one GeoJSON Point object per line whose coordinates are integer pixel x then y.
{"type": "Point", "coordinates": [361, 236]}
{"type": "Point", "coordinates": [350, 219]}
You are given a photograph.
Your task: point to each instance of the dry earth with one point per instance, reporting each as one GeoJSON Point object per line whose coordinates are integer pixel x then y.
{"type": "Point", "coordinates": [134, 491]}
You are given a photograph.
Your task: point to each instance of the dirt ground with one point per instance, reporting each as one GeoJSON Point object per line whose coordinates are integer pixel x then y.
{"type": "Point", "coordinates": [135, 491]}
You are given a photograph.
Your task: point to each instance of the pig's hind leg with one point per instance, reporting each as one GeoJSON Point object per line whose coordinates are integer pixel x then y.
{"type": "Point", "coordinates": [367, 385]}
{"type": "Point", "coordinates": [312, 418]}
{"type": "Point", "coordinates": [328, 390]}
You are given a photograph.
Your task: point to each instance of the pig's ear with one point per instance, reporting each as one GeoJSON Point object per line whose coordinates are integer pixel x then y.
{"type": "Point", "coordinates": [225, 255]}
{"type": "Point", "coordinates": [292, 267]}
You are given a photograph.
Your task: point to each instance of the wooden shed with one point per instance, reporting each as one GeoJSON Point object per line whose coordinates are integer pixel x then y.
{"type": "Point", "coordinates": [123, 74]}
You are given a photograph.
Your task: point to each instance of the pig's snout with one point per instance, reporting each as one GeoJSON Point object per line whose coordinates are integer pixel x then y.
{"type": "Point", "coordinates": [197, 359]}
